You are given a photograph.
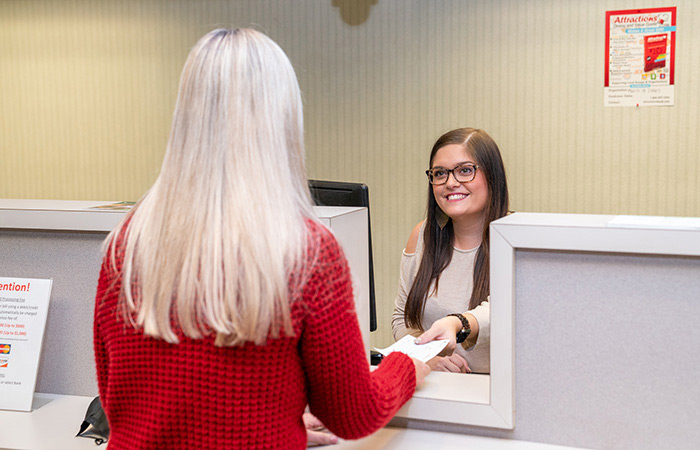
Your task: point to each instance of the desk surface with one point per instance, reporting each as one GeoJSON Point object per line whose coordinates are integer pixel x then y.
{"type": "Point", "coordinates": [52, 424]}
{"type": "Point", "coordinates": [55, 419]}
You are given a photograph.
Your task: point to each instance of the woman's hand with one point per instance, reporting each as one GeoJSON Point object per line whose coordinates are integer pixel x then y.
{"type": "Point", "coordinates": [445, 328]}
{"type": "Point", "coordinates": [422, 371]}
{"type": "Point", "coordinates": [316, 433]}
{"type": "Point", "coordinates": [453, 363]}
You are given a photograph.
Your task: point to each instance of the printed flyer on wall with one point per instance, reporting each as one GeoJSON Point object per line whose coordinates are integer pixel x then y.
{"type": "Point", "coordinates": [24, 304]}
{"type": "Point", "coordinates": [640, 53]}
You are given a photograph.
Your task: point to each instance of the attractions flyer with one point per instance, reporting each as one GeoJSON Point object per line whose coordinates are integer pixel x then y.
{"type": "Point", "coordinates": [640, 53]}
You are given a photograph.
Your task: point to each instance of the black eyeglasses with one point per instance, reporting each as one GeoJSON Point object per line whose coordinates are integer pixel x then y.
{"type": "Point", "coordinates": [464, 173]}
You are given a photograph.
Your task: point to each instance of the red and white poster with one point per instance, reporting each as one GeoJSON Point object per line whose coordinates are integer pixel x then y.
{"type": "Point", "coordinates": [24, 304]}
{"type": "Point", "coordinates": [640, 56]}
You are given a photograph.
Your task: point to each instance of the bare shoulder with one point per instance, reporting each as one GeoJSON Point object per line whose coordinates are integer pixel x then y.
{"type": "Point", "coordinates": [413, 238]}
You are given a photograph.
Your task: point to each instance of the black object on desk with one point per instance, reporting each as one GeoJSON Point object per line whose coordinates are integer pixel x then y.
{"type": "Point", "coordinates": [95, 425]}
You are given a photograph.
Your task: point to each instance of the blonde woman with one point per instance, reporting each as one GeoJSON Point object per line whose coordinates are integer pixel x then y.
{"type": "Point", "coordinates": [223, 306]}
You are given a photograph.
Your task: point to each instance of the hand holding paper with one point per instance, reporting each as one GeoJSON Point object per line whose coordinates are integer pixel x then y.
{"type": "Point", "coordinates": [407, 345]}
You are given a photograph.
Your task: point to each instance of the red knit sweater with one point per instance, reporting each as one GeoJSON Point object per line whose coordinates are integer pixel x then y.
{"type": "Point", "coordinates": [193, 395]}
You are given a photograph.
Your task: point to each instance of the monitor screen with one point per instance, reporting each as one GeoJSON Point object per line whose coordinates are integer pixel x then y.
{"type": "Point", "coordinates": [340, 193]}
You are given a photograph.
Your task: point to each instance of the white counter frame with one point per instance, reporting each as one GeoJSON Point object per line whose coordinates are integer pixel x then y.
{"type": "Point", "coordinates": [537, 231]}
{"type": "Point", "coordinates": [59, 215]}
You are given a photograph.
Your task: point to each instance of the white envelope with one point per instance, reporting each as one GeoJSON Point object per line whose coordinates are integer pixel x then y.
{"type": "Point", "coordinates": [422, 352]}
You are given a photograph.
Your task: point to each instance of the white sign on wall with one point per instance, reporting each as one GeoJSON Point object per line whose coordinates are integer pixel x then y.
{"type": "Point", "coordinates": [24, 304]}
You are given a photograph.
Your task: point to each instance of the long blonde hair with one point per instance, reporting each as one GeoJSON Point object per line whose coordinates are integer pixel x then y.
{"type": "Point", "coordinates": [213, 244]}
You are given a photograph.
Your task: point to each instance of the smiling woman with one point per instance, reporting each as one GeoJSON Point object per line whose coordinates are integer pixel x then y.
{"type": "Point", "coordinates": [444, 280]}
{"type": "Point", "coordinates": [462, 196]}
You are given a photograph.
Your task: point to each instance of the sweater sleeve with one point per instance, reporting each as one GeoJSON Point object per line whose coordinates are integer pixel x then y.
{"type": "Point", "coordinates": [342, 392]}
{"type": "Point", "coordinates": [406, 277]}
{"type": "Point", "coordinates": [482, 314]}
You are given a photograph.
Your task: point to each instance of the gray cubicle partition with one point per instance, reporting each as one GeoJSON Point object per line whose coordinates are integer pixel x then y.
{"type": "Point", "coordinates": [606, 345]}
{"type": "Point", "coordinates": [62, 240]}
{"type": "Point", "coordinates": [607, 351]}
{"type": "Point", "coordinates": [72, 260]}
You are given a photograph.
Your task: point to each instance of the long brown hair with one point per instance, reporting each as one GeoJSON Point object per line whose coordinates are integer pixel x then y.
{"type": "Point", "coordinates": [438, 242]}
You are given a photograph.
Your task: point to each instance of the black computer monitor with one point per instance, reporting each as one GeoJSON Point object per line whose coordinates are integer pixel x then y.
{"type": "Point", "coordinates": [341, 193]}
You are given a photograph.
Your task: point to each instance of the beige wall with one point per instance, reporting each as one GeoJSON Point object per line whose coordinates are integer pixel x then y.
{"type": "Point", "coordinates": [87, 90]}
